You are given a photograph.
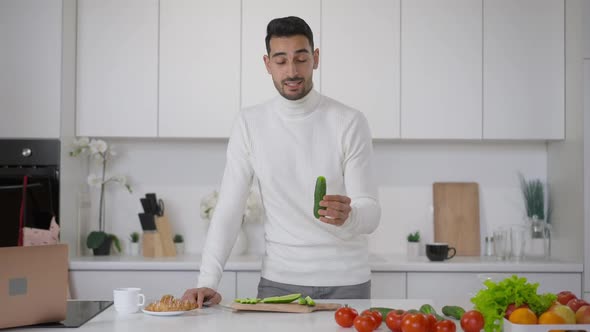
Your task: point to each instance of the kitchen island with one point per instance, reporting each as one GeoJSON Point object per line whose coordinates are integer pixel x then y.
{"type": "Point", "coordinates": [393, 276]}
{"type": "Point", "coordinates": [220, 318]}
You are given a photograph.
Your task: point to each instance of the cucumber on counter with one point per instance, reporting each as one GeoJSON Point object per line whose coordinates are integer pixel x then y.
{"type": "Point", "coordinates": [453, 311]}
{"type": "Point", "coordinates": [282, 299]}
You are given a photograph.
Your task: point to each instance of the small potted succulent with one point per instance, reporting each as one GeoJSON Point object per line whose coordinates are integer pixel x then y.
{"type": "Point", "coordinates": [134, 244]}
{"type": "Point", "coordinates": [414, 244]}
{"type": "Point", "coordinates": [179, 243]}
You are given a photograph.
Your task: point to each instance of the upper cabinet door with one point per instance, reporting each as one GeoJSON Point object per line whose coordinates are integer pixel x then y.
{"type": "Point", "coordinates": [30, 68]}
{"type": "Point", "coordinates": [257, 86]}
{"type": "Point", "coordinates": [586, 28]}
{"type": "Point", "coordinates": [524, 69]}
{"type": "Point", "coordinates": [441, 69]}
{"type": "Point", "coordinates": [352, 72]}
{"type": "Point", "coordinates": [117, 78]}
{"type": "Point", "coordinates": [199, 67]}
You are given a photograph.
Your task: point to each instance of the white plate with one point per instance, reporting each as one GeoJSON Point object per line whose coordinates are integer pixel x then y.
{"type": "Point", "coordinates": [166, 313]}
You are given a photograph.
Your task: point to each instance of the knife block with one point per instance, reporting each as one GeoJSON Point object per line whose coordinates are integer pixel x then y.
{"type": "Point", "coordinates": [165, 231]}
{"type": "Point", "coordinates": [151, 245]}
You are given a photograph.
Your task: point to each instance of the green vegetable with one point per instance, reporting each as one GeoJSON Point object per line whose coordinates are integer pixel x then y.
{"type": "Point", "coordinates": [493, 300]}
{"type": "Point", "coordinates": [281, 299]}
{"type": "Point", "coordinates": [384, 311]}
{"type": "Point", "coordinates": [247, 300]}
{"type": "Point", "coordinates": [301, 300]}
{"type": "Point", "coordinates": [428, 309]}
{"type": "Point", "coordinates": [453, 311]}
{"type": "Point", "coordinates": [310, 301]}
{"type": "Point", "coordinates": [320, 192]}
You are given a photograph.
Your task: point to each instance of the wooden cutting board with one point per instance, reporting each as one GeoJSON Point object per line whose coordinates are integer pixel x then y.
{"type": "Point", "coordinates": [285, 307]}
{"type": "Point", "coordinates": [456, 216]}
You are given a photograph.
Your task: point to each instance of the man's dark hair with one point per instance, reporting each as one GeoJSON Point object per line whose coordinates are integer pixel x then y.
{"type": "Point", "coordinates": [287, 27]}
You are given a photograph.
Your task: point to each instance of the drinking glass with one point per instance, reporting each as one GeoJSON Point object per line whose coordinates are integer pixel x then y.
{"type": "Point", "coordinates": [517, 241]}
{"type": "Point", "coordinates": [502, 243]}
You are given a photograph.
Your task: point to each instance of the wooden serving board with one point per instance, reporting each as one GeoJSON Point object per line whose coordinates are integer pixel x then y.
{"type": "Point", "coordinates": [286, 307]}
{"type": "Point", "coordinates": [456, 216]}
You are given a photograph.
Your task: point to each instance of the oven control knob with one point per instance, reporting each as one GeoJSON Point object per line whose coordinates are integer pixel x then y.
{"type": "Point", "coordinates": [26, 152]}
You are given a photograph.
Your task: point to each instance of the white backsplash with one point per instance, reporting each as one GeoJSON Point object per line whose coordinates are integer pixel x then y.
{"type": "Point", "coordinates": [181, 172]}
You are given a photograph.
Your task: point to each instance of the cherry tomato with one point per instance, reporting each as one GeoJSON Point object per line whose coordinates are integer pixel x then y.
{"type": "Point", "coordinates": [364, 323]}
{"type": "Point", "coordinates": [445, 325]}
{"type": "Point", "coordinates": [431, 323]}
{"type": "Point", "coordinates": [472, 321]}
{"type": "Point", "coordinates": [393, 320]}
{"type": "Point", "coordinates": [345, 316]}
{"type": "Point", "coordinates": [414, 323]}
{"type": "Point", "coordinates": [376, 314]}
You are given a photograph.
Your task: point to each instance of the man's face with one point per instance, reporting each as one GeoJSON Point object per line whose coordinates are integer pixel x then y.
{"type": "Point", "coordinates": [291, 63]}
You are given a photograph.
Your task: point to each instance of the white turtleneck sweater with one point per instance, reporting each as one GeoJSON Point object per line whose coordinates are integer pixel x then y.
{"type": "Point", "coordinates": [287, 145]}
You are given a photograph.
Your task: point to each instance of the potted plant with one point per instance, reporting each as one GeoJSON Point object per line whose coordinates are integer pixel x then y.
{"type": "Point", "coordinates": [134, 244]}
{"type": "Point", "coordinates": [538, 212]}
{"type": "Point", "coordinates": [414, 244]}
{"type": "Point", "coordinates": [179, 243]}
{"type": "Point", "coordinates": [100, 241]}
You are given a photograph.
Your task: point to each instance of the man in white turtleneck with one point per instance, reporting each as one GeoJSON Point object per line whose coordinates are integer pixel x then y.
{"type": "Point", "coordinates": [287, 143]}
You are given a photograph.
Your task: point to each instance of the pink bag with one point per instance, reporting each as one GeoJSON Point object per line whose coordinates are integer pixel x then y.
{"type": "Point", "coordinates": [39, 237]}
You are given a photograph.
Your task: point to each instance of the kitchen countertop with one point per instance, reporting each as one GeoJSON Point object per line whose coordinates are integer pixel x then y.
{"type": "Point", "coordinates": [218, 318]}
{"type": "Point", "coordinates": [377, 262]}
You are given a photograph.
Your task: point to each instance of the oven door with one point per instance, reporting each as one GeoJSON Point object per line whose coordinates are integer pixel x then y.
{"type": "Point", "coordinates": [41, 200]}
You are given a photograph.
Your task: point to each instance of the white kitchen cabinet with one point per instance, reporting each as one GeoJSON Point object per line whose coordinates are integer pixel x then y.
{"type": "Point", "coordinates": [117, 70]}
{"type": "Point", "coordinates": [30, 68]}
{"type": "Point", "coordinates": [199, 67]}
{"type": "Point", "coordinates": [587, 177]}
{"type": "Point", "coordinates": [457, 288]}
{"type": "Point", "coordinates": [523, 69]}
{"type": "Point", "coordinates": [99, 285]}
{"type": "Point", "coordinates": [247, 283]}
{"type": "Point", "coordinates": [257, 86]}
{"type": "Point", "coordinates": [367, 81]}
{"type": "Point", "coordinates": [388, 285]}
{"type": "Point", "coordinates": [586, 28]}
{"type": "Point", "coordinates": [441, 64]}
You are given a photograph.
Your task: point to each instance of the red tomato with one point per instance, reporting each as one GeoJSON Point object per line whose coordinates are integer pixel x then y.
{"type": "Point", "coordinates": [575, 304]}
{"type": "Point", "coordinates": [445, 325]}
{"type": "Point", "coordinates": [364, 323]}
{"type": "Point", "coordinates": [345, 316]}
{"type": "Point", "coordinates": [393, 320]}
{"type": "Point", "coordinates": [414, 323]}
{"type": "Point", "coordinates": [431, 323]}
{"type": "Point", "coordinates": [472, 321]}
{"type": "Point", "coordinates": [564, 297]}
{"type": "Point", "coordinates": [376, 314]}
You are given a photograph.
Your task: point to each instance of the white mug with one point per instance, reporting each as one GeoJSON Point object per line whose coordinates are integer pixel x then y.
{"type": "Point", "coordinates": [128, 300]}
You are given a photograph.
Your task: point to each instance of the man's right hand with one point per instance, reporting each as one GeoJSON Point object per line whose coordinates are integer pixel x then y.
{"type": "Point", "coordinates": [201, 295]}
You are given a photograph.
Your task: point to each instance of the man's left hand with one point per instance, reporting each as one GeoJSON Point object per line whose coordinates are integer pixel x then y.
{"type": "Point", "coordinates": [337, 209]}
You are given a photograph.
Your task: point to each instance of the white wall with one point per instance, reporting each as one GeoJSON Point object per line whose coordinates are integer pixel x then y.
{"type": "Point", "coordinates": [183, 171]}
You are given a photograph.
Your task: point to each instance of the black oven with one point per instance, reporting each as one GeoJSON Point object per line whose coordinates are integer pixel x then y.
{"type": "Point", "coordinates": [29, 186]}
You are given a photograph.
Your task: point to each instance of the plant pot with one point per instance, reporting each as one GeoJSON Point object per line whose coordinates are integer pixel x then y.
{"type": "Point", "coordinates": [134, 248]}
{"type": "Point", "coordinates": [104, 249]}
{"type": "Point", "coordinates": [413, 249]}
{"type": "Point", "coordinates": [179, 248]}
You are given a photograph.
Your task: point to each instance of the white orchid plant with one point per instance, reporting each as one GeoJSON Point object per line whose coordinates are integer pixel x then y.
{"type": "Point", "coordinates": [100, 151]}
{"type": "Point", "coordinates": [252, 211]}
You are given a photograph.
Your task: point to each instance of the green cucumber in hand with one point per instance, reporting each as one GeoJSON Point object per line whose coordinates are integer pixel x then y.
{"type": "Point", "coordinates": [320, 192]}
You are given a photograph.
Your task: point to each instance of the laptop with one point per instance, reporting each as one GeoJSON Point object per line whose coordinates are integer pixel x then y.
{"type": "Point", "coordinates": [33, 284]}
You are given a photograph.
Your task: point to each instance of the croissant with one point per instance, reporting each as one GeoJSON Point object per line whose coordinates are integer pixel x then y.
{"type": "Point", "coordinates": [169, 303]}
